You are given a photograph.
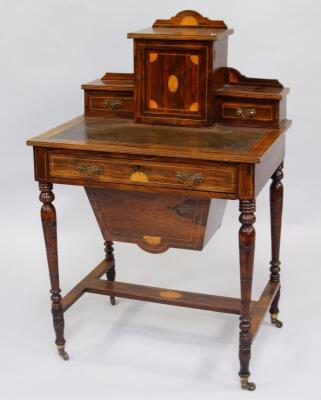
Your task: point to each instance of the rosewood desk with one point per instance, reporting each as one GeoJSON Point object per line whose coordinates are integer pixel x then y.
{"type": "Point", "coordinates": [161, 179]}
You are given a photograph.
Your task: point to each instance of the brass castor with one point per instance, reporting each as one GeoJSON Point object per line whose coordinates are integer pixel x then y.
{"type": "Point", "coordinates": [63, 354]}
{"type": "Point", "coordinates": [245, 384]}
{"type": "Point", "coordinates": [275, 321]}
{"type": "Point", "coordinates": [112, 300]}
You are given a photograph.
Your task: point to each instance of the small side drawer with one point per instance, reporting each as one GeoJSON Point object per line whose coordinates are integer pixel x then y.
{"type": "Point", "coordinates": [216, 178]}
{"type": "Point", "coordinates": [108, 104]}
{"type": "Point", "coordinates": [245, 112]}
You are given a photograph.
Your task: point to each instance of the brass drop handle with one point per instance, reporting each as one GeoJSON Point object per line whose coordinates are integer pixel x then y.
{"type": "Point", "coordinates": [190, 178]}
{"type": "Point", "coordinates": [90, 170]}
{"type": "Point", "coordinates": [112, 104]}
{"type": "Point", "coordinates": [246, 112]}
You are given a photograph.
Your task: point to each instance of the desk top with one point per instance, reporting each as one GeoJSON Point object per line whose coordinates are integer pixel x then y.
{"type": "Point", "coordinates": [217, 143]}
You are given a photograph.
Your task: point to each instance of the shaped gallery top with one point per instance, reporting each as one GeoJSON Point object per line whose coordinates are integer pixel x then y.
{"type": "Point", "coordinates": [186, 25]}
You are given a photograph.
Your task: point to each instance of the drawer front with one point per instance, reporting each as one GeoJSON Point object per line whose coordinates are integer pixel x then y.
{"type": "Point", "coordinates": [264, 113]}
{"type": "Point", "coordinates": [109, 105]}
{"type": "Point", "coordinates": [216, 178]}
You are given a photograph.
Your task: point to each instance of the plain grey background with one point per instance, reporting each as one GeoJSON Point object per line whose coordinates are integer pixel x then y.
{"type": "Point", "coordinates": [139, 350]}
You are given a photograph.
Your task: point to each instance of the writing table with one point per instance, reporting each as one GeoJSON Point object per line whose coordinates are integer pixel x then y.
{"type": "Point", "coordinates": [159, 175]}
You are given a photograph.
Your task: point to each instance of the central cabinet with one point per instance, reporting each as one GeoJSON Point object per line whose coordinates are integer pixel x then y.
{"type": "Point", "coordinates": [174, 64]}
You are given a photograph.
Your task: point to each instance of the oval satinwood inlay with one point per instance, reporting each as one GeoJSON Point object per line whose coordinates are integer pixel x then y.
{"type": "Point", "coordinates": [170, 294]}
{"type": "Point", "coordinates": [173, 83]}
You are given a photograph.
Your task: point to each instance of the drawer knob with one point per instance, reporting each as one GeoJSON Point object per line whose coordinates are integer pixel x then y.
{"type": "Point", "coordinates": [90, 170]}
{"type": "Point", "coordinates": [246, 112]}
{"type": "Point", "coordinates": [190, 178]}
{"type": "Point", "coordinates": [112, 104]}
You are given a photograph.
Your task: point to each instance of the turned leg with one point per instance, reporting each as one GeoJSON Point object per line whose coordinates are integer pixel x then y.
{"type": "Point", "coordinates": [246, 248]}
{"type": "Point", "coordinates": [111, 273]}
{"type": "Point", "coordinates": [276, 203]}
{"type": "Point", "coordinates": [49, 225]}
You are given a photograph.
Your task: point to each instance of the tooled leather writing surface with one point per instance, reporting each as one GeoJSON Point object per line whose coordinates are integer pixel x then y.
{"type": "Point", "coordinates": [119, 131]}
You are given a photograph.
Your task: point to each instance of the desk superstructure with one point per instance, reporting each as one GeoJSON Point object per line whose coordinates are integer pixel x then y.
{"type": "Point", "coordinates": [159, 152]}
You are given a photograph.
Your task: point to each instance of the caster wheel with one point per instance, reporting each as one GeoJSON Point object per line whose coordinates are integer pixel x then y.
{"type": "Point", "coordinates": [275, 321]}
{"type": "Point", "coordinates": [246, 385]}
{"type": "Point", "coordinates": [63, 354]}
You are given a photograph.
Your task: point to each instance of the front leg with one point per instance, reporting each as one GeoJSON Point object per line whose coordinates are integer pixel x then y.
{"type": "Point", "coordinates": [276, 205]}
{"type": "Point", "coordinates": [246, 248]}
{"type": "Point", "coordinates": [49, 225]}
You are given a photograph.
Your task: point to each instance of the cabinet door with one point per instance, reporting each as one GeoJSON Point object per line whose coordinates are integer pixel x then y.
{"type": "Point", "coordinates": [172, 83]}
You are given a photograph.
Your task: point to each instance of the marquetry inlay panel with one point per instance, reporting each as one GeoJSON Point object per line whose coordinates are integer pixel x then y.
{"type": "Point", "coordinates": [174, 81]}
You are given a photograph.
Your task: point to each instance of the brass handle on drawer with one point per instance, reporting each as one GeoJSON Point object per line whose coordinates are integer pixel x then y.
{"type": "Point", "coordinates": [190, 178]}
{"type": "Point", "coordinates": [112, 104]}
{"type": "Point", "coordinates": [246, 112]}
{"type": "Point", "coordinates": [91, 170]}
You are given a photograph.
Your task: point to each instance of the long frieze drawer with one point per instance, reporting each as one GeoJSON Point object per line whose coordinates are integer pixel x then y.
{"type": "Point", "coordinates": [109, 105]}
{"type": "Point", "coordinates": [258, 113]}
{"type": "Point", "coordinates": [216, 178]}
